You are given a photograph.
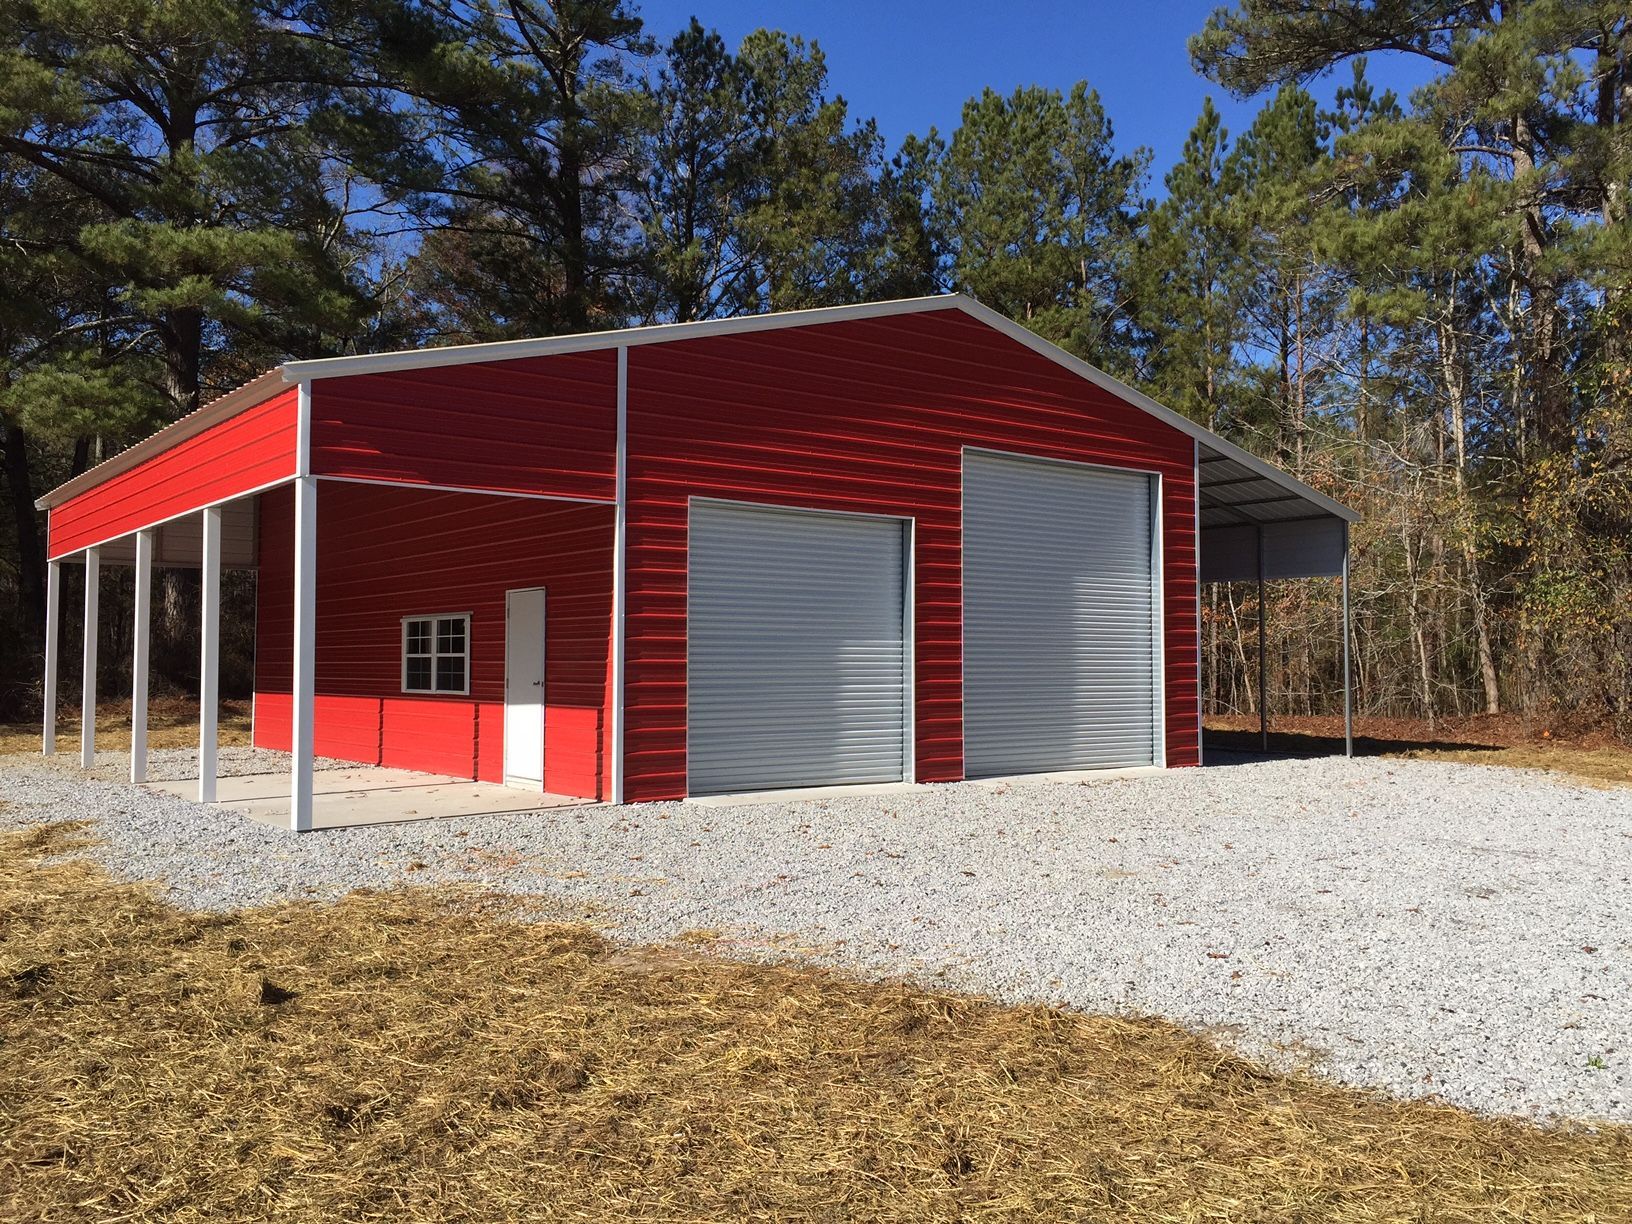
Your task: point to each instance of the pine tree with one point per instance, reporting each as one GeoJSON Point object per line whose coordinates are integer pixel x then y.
{"type": "Point", "coordinates": [1191, 274]}
{"type": "Point", "coordinates": [760, 193]}
{"type": "Point", "coordinates": [200, 135]}
{"type": "Point", "coordinates": [176, 177]}
{"type": "Point", "coordinates": [534, 108]}
{"type": "Point", "coordinates": [1040, 213]}
{"type": "Point", "coordinates": [1507, 97]}
{"type": "Point", "coordinates": [1290, 299]}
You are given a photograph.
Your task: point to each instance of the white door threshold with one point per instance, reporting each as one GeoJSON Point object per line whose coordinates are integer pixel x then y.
{"type": "Point", "coordinates": [796, 794]}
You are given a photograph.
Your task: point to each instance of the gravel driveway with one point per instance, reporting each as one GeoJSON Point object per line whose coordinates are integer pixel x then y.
{"type": "Point", "coordinates": [1432, 929]}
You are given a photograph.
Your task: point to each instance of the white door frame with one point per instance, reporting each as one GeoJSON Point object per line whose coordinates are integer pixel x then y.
{"type": "Point", "coordinates": [510, 777]}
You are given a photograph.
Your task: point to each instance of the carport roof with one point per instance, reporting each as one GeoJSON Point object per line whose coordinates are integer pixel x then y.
{"type": "Point", "coordinates": [1235, 494]}
{"type": "Point", "coordinates": [1236, 486]}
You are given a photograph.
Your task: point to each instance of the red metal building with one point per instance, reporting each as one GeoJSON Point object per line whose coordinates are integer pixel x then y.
{"type": "Point", "coordinates": [902, 541]}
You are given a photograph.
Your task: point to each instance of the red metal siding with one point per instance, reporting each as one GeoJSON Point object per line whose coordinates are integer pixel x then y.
{"type": "Point", "coordinates": [385, 553]}
{"type": "Point", "coordinates": [246, 451]}
{"type": "Point", "coordinates": [870, 416]}
{"type": "Point", "coordinates": [532, 425]}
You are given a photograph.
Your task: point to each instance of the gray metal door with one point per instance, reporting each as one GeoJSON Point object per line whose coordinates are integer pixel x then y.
{"type": "Point", "coordinates": [795, 652]}
{"type": "Point", "coordinates": [1060, 615]}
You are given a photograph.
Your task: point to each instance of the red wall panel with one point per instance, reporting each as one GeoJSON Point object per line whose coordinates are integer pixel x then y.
{"type": "Point", "coordinates": [869, 416]}
{"type": "Point", "coordinates": [430, 733]}
{"type": "Point", "coordinates": [388, 552]}
{"type": "Point", "coordinates": [246, 451]}
{"type": "Point", "coordinates": [532, 425]}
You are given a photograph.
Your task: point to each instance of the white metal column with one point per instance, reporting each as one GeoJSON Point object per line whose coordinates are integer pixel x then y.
{"type": "Point", "coordinates": [53, 604]}
{"type": "Point", "coordinates": [209, 654]}
{"type": "Point", "coordinates": [620, 514]}
{"type": "Point", "coordinates": [87, 688]}
{"type": "Point", "coordinates": [138, 656]}
{"type": "Point", "coordinates": [304, 687]}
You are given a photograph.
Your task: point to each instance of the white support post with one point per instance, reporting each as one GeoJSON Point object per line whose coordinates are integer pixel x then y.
{"type": "Point", "coordinates": [619, 575]}
{"type": "Point", "coordinates": [304, 685]}
{"type": "Point", "coordinates": [209, 654]}
{"type": "Point", "coordinates": [1348, 687]}
{"type": "Point", "coordinates": [53, 621]}
{"type": "Point", "coordinates": [138, 656]}
{"type": "Point", "coordinates": [87, 688]}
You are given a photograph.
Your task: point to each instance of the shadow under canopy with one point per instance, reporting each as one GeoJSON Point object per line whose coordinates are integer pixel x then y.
{"type": "Point", "coordinates": [1254, 526]}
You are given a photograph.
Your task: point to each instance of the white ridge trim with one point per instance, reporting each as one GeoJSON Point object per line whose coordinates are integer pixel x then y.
{"type": "Point", "coordinates": [621, 338]}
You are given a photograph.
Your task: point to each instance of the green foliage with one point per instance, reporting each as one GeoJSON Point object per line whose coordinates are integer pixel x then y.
{"type": "Point", "coordinates": [532, 107]}
{"type": "Point", "coordinates": [1039, 214]}
{"type": "Point", "coordinates": [1478, 241]}
{"type": "Point", "coordinates": [196, 139]}
{"type": "Point", "coordinates": [761, 193]}
{"type": "Point", "coordinates": [80, 395]}
{"type": "Point", "coordinates": [1191, 273]}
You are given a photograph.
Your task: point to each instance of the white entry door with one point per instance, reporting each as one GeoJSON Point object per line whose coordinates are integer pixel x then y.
{"type": "Point", "coordinates": [524, 688]}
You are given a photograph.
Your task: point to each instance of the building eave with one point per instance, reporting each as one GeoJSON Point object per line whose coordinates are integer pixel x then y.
{"type": "Point", "coordinates": [253, 392]}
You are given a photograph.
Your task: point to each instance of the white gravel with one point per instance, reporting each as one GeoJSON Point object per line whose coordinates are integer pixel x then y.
{"type": "Point", "coordinates": [1430, 929]}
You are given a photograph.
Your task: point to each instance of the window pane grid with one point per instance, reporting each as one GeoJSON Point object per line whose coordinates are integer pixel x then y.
{"type": "Point", "coordinates": [436, 654]}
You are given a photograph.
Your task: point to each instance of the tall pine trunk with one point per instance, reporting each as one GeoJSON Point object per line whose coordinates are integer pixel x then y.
{"type": "Point", "coordinates": [30, 554]}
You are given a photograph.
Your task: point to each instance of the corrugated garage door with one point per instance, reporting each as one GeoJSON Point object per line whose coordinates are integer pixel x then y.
{"type": "Point", "coordinates": [795, 649]}
{"type": "Point", "coordinates": [1059, 617]}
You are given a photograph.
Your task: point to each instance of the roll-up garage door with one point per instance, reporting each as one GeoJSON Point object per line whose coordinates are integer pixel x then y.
{"type": "Point", "coordinates": [1060, 617]}
{"type": "Point", "coordinates": [795, 669]}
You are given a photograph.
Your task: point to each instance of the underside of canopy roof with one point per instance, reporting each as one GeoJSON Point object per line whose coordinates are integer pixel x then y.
{"type": "Point", "coordinates": [1257, 522]}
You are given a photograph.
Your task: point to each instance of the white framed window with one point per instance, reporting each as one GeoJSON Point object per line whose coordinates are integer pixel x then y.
{"type": "Point", "coordinates": [436, 653]}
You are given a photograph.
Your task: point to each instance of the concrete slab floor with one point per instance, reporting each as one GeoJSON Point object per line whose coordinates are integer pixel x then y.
{"type": "Point", "coordinates": [370, 795]}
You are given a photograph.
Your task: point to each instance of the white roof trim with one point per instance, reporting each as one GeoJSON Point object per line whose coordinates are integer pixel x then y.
{"type": "Point", "coordinates": [663, 333]}
{"type": "Point", "coordinates": [585, 342]}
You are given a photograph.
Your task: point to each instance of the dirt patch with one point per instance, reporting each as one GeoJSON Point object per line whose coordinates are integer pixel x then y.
{"type": "Point", "coordinates": [420, 1055]}
{"type": "Point", "coordinates": [1587, 754]}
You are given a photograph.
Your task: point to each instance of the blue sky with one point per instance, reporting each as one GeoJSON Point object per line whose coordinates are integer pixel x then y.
{"type": "Point", "coordinates": [911, 64]}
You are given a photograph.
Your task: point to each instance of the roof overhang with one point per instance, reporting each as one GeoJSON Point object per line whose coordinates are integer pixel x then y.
{"type": "Point", "coordinates": [253, 392]}
{"type": "Point", "coordinates": [1211, 445]}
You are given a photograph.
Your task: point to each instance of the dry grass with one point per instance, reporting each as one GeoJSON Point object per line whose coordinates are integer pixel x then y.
{"type": "Point", "coordinates": [424, 1056]}
{"type": "Point", "coordinates": [1601, 766]}
{"type": "Point", "coordinates": [172, 723]}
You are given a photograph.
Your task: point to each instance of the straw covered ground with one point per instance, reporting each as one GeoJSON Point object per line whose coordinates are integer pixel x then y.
{"type": "Point", "coordinates": [428, 1055]}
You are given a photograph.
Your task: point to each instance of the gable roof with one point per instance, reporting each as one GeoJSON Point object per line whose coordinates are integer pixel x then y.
{"type": "Point", "coordinates": [257, 389]}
